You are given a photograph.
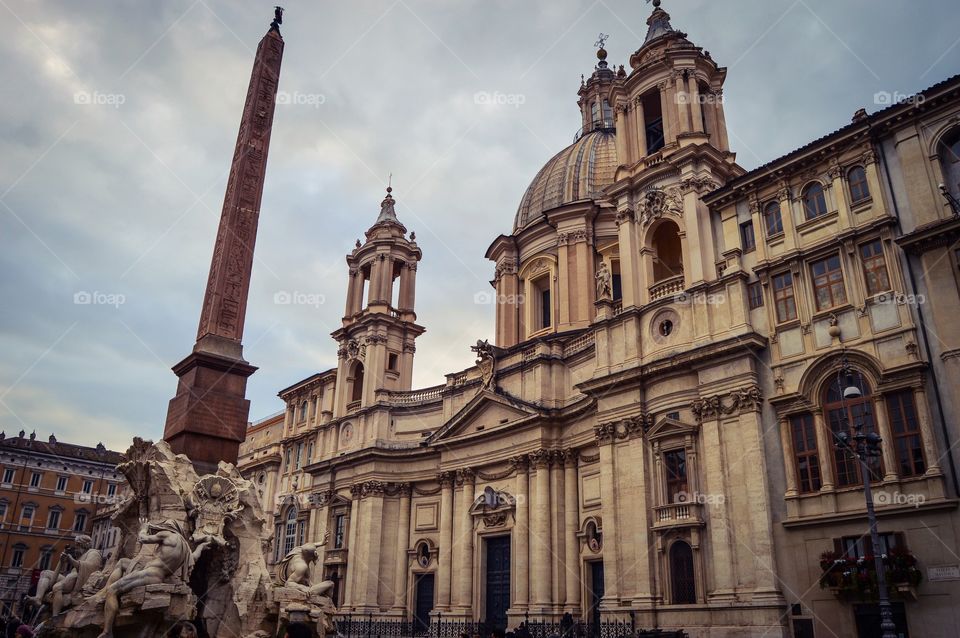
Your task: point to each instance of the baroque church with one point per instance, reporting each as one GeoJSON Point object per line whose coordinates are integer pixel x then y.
{"type": "Point", "coordinates": [652, 436]}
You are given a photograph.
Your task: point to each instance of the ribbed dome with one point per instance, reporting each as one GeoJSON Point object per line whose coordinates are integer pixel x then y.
{"type": "Point", "coordinates": [577, 172]}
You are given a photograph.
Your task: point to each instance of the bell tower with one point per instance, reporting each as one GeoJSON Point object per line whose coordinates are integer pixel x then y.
{"type": "Point", "coordinates": [379, 323]}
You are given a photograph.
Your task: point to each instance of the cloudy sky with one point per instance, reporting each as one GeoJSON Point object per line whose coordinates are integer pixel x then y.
{"type": "Point", "coordinates": [119, 119]}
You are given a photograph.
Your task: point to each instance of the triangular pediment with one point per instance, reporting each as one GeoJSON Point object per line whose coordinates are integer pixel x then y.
{"type": "Point", "coordinates": [667, 427]}
{"type": "Point", "coordinates": [487, 411]}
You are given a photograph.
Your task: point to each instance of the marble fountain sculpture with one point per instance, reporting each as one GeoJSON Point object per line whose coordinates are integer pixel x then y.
{"type": "Point", "coordinates": [192, 548]}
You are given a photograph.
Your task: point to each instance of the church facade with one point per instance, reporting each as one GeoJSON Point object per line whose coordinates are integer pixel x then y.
{"type": "Point", "coordinates": [652, 434]}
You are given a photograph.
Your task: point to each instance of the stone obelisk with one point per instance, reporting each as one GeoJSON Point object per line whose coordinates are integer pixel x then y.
{"type": "Point", "coordinates": [207, 419]}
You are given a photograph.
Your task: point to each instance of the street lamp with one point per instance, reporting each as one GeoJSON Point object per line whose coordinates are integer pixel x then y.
{"type": "Point", "coordinates": [862, 446]}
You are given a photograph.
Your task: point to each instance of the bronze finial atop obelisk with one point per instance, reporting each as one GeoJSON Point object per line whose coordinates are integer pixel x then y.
{"type": "Point", "coordinates": [207, 419]}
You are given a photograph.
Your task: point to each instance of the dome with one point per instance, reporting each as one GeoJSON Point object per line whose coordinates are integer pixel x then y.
{"type": "Point", "coordinates": [579, 171]}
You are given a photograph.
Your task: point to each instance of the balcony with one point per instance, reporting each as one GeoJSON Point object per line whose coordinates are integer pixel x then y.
{"type": "Point", "coordinates": [353, 406]}
{"type": "Point", "coordinates": [678, 515]}
{"type": "Point", "coordinates": [667, 287]}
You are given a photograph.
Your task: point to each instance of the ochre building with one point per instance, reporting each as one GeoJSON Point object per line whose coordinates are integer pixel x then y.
{"type": "Point", "coordinates": [652, 436]}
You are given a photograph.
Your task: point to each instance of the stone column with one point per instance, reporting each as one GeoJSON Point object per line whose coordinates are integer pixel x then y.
{"type": "Point", "coordinates": [786, 443]}
{"type": "Point", "coordinates": [641, 132]}
{"type": "Point", "coordinates": [403, 541]}
{"type": "Point", "coordinates": [681, 103]}
{"type": "Point", "coordinates": [287, 421]}
{"type": "Point", "coordinates": [789, 221]}
{"type": "Point", "coordinates": [351, 573]}
{"type": "Point", "coordinates": [350, 307]}
{"type": "Point", "coordinates": [465, 544]}
{"type": "Point", "coordinates": [670, 116]}
{"type": "Point", "coordinates": [445, 562]}
{"type": "Point", "coordinates": [571, 527]}
{"type": "Point", "coordinates": [723, 141]}
{"type": "Point", "coordinates": [558, 584]}
{"type": "Point", "coordinates": [540, 531]}
{"type": "Point", "coordinates": [521, 536]}
{"type": "Point", "coordinates": [926, 432]}
{"type": "Point", "coordinates": [608, 509]}
{"type": "Point", "coordinates": [825, 451]}
{"type": "Point", "coordinates": [696, 109]}
{"type": "Point", "coordinates": [371, 545]}
{"type": "Point", "coordinates": [882, 423]}
{"type": "Point", "coordinates": [839, 194]}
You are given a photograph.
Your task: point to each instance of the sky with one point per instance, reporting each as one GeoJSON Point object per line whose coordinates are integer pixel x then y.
{"type": "Point", "coordinates": [119, 120]}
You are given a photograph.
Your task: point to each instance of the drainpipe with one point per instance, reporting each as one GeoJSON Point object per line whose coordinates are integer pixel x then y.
{"type": "Point", "coordinates": [923, 326]}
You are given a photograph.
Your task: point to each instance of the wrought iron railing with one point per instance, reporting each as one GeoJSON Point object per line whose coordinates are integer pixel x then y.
{"type": "Point", "coordinates": [605, 125]}
{"type": "Point", "coordinates": [369, 626]}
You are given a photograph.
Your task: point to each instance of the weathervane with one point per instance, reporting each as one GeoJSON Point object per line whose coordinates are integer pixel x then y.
{"type": "Point", "coordinates": [601, 40]}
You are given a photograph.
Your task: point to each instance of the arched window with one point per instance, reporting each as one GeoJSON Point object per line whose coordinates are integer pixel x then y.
{"type": "Point", "coordinates": [857, 179]}
{"type": "Point", "coordinates": [948, 150]}
{"type": "Point", "coordinates": [843, 415]}
{"type": "Point", "coordinates": [290, 531]}
{"type": "Point", "coordinates": [607, 115]}
{"type": "Point", "coordinates": [772, 219]}
{"type": "Point", "coordinates": [668, 254]}
{"type": "Point", "coordinates": [357, 390]}
{"type": "Point", "coordinates": [682, 580]}
{"type": "Point", "coordinates": [814, 203]}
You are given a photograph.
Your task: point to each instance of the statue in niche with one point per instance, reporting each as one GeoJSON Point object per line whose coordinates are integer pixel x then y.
{"type": "Point", "coordinates": [164, 555]}
{"type": "Point", "coordinates": [63, 587]}
{"type": "Point", "coordinates": [604, 282]}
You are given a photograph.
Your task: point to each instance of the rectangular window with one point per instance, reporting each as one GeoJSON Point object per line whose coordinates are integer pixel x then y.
{"type": "Point", "coordinates": [541, 288]}
{"type": "Point", "coordinates": [339, 534]}
{"type": "Point", "coordinates": [45, 558]}
{"type": "Point", "coordinates": [874, 268]}
{"type": "Point", "coordinates": [53, 521]}
{"type": "Point", "coordinates": [748, 241]}
{"type": "Point", "coordinates": [299, 454]}
{"type": "Point", "coordinates": [26, 518]}
{"type": "Point", "coordinates": [393, 362]}
{"type": "Point", "coordinates": [906, 434]}
{"type": "Point", "coordinates": [61, 483]}
{"type": "Point", "coordinates": [828, 283]}
{"type": "Point", "coordinates": [17, 559]}
{"type": "Point", "coordinates": [35, 478]}
{"type": "Point", "coordinates": [286, 464]}
{"type": "Point", "coordinates": [80, 522]}
{"type": "Point", "coordinates": [112, 489]}
{"type": "Point", "coordinates": [805, 453]}
{"type": "Point", "coordinates": [3, 514]}
{"type": "Point", "coordinates": [617, 286]}
{"type": "Point", "coordinates": [301, 530]}
{"type": "Point", "coordinates": [859, 546]}
{"type": "Point", "coordinates": [675, 463]}
{"type": "Point", "coordinates": [773, 219]}
{"type": "Point", "coordinates": [8, 475]}
{"type": "Point", "coordinates": [87, 486]}
{"type": "Point", "coordinates": [309, 451]}
{"type": "Point", "coordinates": [755, 295]}
{"type": "Point", "coordinates": [783, 297]}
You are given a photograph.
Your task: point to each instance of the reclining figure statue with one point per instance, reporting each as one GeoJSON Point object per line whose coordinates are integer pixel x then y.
{"type": "Point", "coordinates": [171, 559]}
{"type": "Point", "coordinates": [294, 569]}
{"type": "Point", "coordinates": [63, 587]}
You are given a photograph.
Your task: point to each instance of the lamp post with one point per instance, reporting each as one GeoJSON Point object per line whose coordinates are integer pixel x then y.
{"type": "Point", "coordinates": [862, 446]}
